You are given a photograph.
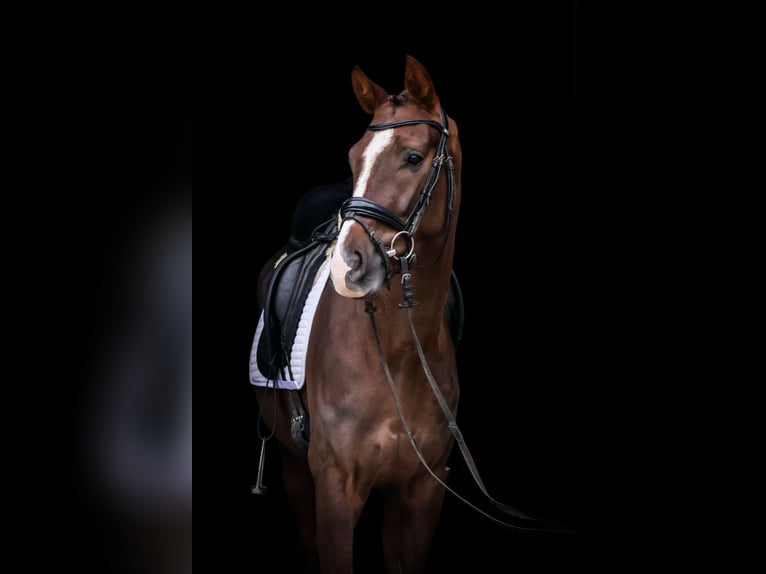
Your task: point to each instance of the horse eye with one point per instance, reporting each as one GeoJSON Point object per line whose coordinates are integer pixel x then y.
{"type": "Point", "coordinates": [414, 159]}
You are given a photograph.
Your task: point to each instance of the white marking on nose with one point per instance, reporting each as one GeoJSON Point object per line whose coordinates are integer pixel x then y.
{"type": "Point", "coordinates": [338, 270]}
{"type": "Point", "coordinates": [377, 144]}
{"type": "Point", "coordinates": [338, 266]}
{"type": "Point", "coordinates": [344, 231]}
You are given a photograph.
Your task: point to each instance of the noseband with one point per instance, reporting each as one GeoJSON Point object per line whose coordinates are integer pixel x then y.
{"type": "Point", "coordinates": [357, 207]}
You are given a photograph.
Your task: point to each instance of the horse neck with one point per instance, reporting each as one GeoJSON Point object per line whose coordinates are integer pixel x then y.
{"type": "Point", "coordinates": [430, 286]}
{"type": "Point", "coordinates": [435, 255]}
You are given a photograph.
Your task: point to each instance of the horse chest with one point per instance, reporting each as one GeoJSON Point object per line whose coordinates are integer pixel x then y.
{"type": "Point", "coordinates": [381, 446]}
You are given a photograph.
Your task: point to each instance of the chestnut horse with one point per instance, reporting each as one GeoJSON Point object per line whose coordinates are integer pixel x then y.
{"type": "Point", "coordinates": [380, 365]}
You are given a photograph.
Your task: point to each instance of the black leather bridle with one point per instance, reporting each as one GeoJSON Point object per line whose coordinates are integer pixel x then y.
{"type": "Point", "coordinates": [358, 207]}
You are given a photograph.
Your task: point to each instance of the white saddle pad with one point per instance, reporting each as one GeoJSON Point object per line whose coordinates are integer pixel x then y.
{"type": "Point", "coordinates": [296, 374]}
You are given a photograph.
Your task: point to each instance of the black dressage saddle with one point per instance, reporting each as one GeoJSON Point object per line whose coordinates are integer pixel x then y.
{"type": "Point", "coordinates": [313, 228]}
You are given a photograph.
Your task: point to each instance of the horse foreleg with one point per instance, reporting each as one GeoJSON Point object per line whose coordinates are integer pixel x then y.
{"type": "Point", "coordinates": [409, 524]}
{"type": "Point", "coordinates": [339, 506]}
{"type": "Point", "coordinates": [391, 519]}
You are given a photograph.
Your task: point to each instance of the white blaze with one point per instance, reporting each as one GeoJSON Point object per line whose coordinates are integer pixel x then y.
{"type": "Point", "coordinates": [377, 144]}
{"type": "Point", "coordinates": [338, 267]}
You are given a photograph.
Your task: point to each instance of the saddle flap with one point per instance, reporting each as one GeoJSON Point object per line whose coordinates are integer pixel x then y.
{"type": "Point", "coordinates": [286, 295]}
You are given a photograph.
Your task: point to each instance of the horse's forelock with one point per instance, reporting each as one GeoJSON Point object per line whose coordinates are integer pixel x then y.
{"type": "Point", "coordinates": [400, 99]}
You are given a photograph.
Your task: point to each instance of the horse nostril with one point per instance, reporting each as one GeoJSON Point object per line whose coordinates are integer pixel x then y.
{"type": "Point", "coordinates": [356, 262]}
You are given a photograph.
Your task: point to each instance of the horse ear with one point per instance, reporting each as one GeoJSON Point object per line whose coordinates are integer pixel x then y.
{"type": "Point", "coordinates": [369, 94]}
{"type": "Point", "coordinates": [418, 83]}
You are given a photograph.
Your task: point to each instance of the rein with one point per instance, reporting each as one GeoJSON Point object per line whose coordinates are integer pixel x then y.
{"type": "Point", "coordinates": [535, 524]}
{"type": "Point", "coordinates": [358, 207]}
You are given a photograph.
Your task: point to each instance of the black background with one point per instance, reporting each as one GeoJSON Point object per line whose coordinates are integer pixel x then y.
{"type": "Point", "coordinates": [115, 114]}
{"type": "Point", "coordinates": [287, 117]}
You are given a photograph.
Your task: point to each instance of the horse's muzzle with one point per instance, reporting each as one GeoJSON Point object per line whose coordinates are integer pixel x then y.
{"type": "Point", "coordinates": [356, 268]}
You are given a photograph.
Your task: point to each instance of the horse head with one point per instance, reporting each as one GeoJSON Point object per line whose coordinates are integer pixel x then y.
{"type": "Point", "coordinates": [405, 168]}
